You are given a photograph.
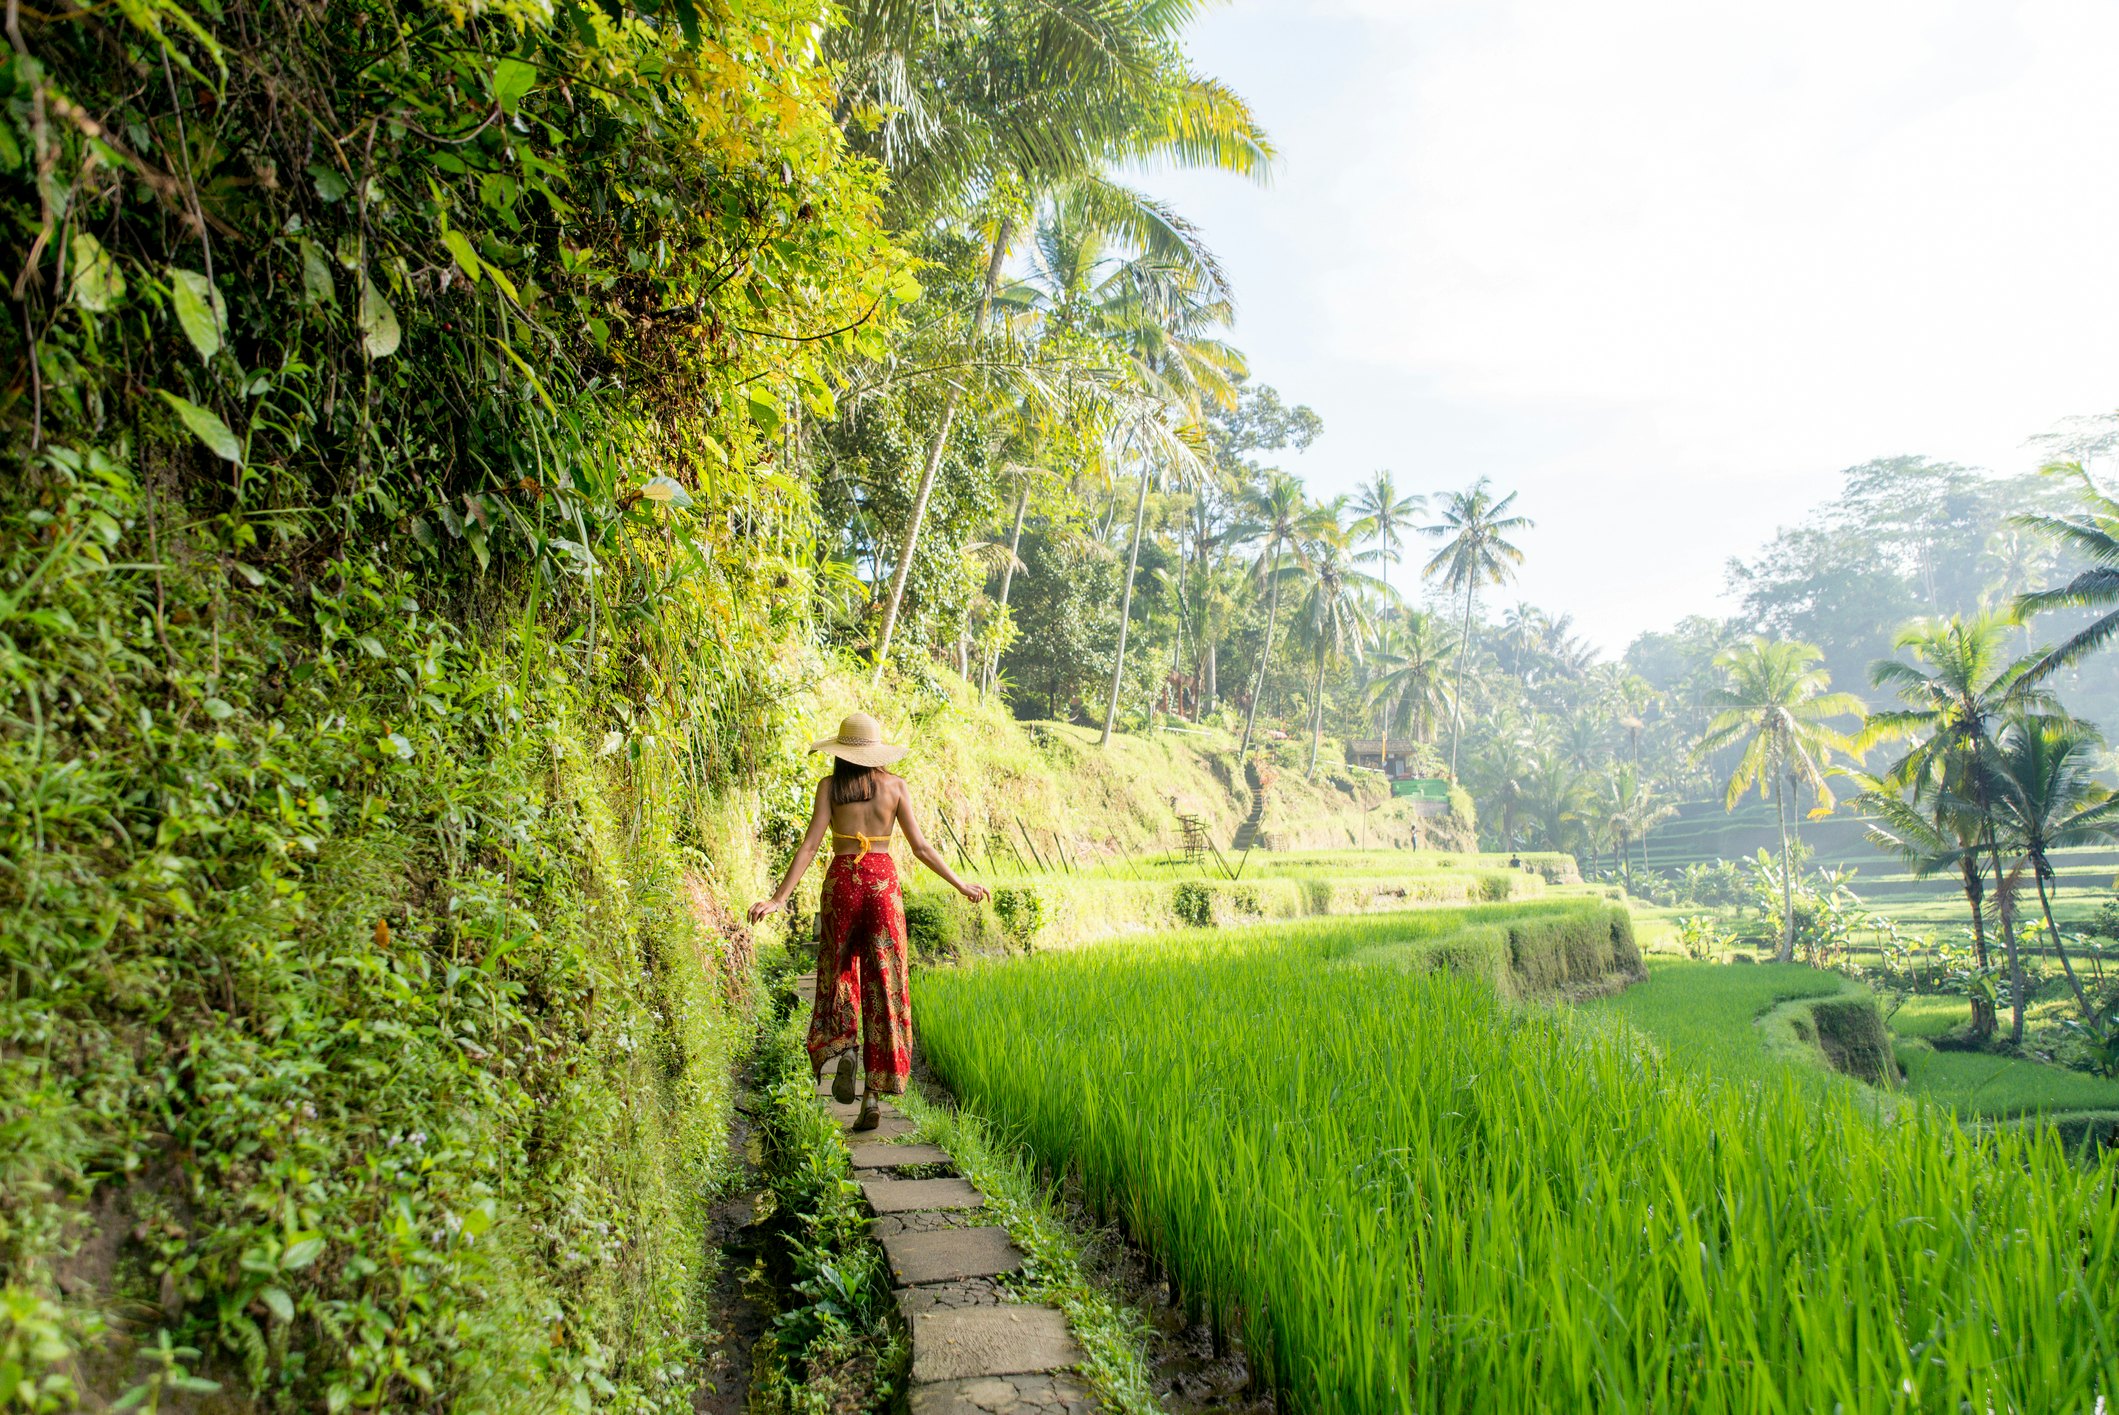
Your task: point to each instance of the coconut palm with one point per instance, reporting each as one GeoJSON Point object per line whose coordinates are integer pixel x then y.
{"type": "Point", "coordinates": [1630, 811]}
{"type": "Point", "coordinates": [1409, 685]}
{"type": "Point", "coordinates": [1476, 551]}
{"type": "Point", "coordinates": [1282, 523]}
{"type": "Point", "coordinates": [1776, 702]}
{"type": "Point", "coordinates": [986, 105]}
{"type": "Point", "coordinates": [1334, 612]}
{"type": "Point", "coordinates": [2046, 799]}
{"type": "Point", "coordinates": [2093, 532]}
{"type": "Point", "coordinates": [1931, 834]}
{"type": "Point", "coordinates": [1384, 518]}
{"type": "Point", "coordinates": [1961, 685]}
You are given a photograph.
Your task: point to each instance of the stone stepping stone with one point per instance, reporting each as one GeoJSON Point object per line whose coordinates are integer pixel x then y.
{"type": "Point", "coordinates": [990, 1341]}
{"type": "Point", "coordinates": [920, 1221]}
{"type": "Point", "coordinates": [904, 1196]}
{"type": "Point", "coordinates": [1005, 1395]}
{"type": "Point", "coordinates": [949, 1255]}
{"type": "Point", "coordinates": [947, 1296]}
{"type": "Point", "coordinates": [890, 1127]}
{"type": "Point", "coordinates": [868, 1156]}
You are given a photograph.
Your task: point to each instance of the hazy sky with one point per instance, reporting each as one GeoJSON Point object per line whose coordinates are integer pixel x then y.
{"type": "Point", "coordinates": [1666, 266]}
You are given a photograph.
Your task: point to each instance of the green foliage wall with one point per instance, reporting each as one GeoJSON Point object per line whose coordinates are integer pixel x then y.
{"type": "Point", "coordinates": [398, 570]}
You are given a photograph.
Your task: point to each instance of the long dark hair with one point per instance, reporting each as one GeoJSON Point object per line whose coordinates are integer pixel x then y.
{"type": "Point", "coordinates": [851, 782]}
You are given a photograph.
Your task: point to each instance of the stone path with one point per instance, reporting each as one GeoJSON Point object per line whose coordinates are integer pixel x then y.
{"type": "Point", "coordinates": [975, 1351]}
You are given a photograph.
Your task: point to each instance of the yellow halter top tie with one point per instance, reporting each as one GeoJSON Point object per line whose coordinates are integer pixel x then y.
{"type": "Point", "coordinates": [867, 842]}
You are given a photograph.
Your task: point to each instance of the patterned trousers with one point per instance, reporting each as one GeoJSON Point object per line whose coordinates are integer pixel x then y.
{"type": "Point", "coordinates": [861, 972]}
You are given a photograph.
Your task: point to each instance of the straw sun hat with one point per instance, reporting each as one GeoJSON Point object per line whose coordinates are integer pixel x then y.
{"type": "Point", "coordinates": [860, 741]}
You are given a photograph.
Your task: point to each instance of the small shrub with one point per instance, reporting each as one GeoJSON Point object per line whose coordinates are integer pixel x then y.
{"type": "Point", "coordinates": [930, 927]}
{"type": "Point", "coordinates": [1496, 887]}
{"type": "Point", "coordinates": [1193, 904]}
{"type": "Point", "coordinates": [1701, 937]}
{"type": "Point", "coordinates": [1021, 910]}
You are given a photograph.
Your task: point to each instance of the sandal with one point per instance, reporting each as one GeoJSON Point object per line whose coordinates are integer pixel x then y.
{"type": "Point", "coordinates": [842, 1080]}
{"type": "Point", "coordinates": [870, 1116]}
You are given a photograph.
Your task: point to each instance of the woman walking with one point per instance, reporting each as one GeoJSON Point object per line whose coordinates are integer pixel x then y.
{"type": "Point", "coordinates": [861, 925]}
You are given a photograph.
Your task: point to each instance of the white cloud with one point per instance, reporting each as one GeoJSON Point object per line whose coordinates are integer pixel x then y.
{"type": "Point", "coordinates": [1657, 262]}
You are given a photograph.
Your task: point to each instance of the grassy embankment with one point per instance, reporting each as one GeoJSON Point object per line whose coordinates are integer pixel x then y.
{"type": "Point", "coordinates": [1412, 1197]}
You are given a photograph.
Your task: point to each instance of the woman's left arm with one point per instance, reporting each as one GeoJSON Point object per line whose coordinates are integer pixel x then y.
{"type": "Point", "coordinates": [927, 855]}
{"type": "Point", "coordinates": [819, 822]}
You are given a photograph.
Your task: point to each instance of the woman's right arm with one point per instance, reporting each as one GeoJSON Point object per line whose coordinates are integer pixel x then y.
{"type": "Point", "coordinates": [819, 822]}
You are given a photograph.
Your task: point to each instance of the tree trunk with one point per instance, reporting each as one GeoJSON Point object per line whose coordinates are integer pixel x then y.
{"type": "Point", "coordinates": [1265, 656]}
{"type": "Point", "coordinates": [1316, 717]}
{"type": "Point", "coordinates": [1211, 689]}
{"type": "Point", "coordinates": [1456, 705]}
{"type": "Point", "coordinates": [1015, 545]}
{"type": "Point", "coordinates": [1125, 610]}
{"type": "Point", "coordinates": [935, 449]}
{"type": "Point", "coordinates": [2004, 907]}
{"type": "Point", "coordinates": [1786, 952]}
{"type": "Point", "coordinates": [1984, 1022]}
{"type": "Point", "coordinates": [2089, 1014]}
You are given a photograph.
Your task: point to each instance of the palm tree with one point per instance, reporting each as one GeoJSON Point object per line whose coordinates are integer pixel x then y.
{"type": "Point", "coordinates": [1932, 833]}
{"type": "Point", "coordinates": [1385, 517]}
{"type": "Point", "coordinates": [2094, 533]}
{"type": "Point", "coordinates": [1632, 811]}
{"type": "Point", "coordinates": [1774, 700]}
{"type": "Point", "coordinates": [1474, 530]}
{"type": "Point", "coordinates": [990, 103]}
{"type": "Point", "coordinates": [2046, 799]}
{"type": "Point", "coordinates": [1333, 613]}
{"type": "Point", "coordinates": [1282, 521]}
{"type": "Point", "coordinates": [1559, 795]}
{"type": "Point", "coordinates": [1409, 686]}
{"type": "Point", "coordinates": [1958, 690]}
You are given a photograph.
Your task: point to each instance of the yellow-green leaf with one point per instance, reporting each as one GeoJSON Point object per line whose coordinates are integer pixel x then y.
{"type": "Point", "coordinates": [199, 310]}
{"type": "Point", "coordinates": [98, 282]}
{"type": "Point", "coordinates": [666, 492]}
{"type": "Point", "coordinates": [379, 331]}
{"type": "Point", "coordinates": [466, 258]}
{"type": "Point", "coordinates": [318, 288]}
{"type": "Point", "coordinates": [207, 428]}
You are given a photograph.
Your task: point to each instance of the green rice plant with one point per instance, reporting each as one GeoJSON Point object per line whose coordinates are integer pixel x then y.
{"type": "Point", "coordinates": [1412, 1197]}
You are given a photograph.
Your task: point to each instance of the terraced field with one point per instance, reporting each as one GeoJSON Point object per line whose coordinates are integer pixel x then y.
{"type": "Point", "coordinates": [1413, 1196]}
{"type": "Point", "coordinates": [1704, 831]}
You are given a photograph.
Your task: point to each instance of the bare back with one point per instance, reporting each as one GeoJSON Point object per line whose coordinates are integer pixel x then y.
{"type": "Point", "coordinates": [876, 818]}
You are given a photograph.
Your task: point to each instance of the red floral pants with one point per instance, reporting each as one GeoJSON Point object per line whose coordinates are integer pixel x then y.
{"type": "Point", "coordinates": [861, 971]}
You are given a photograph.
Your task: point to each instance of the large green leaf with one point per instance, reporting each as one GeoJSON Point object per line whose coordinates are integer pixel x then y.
{"type": "Point", "coordinates": [512, 82]}
{"type": "Point", "coordinates": [318, 288]}
{"type": "Point", "coordinates": [98, 283]}
{"type": "Point", "coordinates": [379, 331]}
{"type": "Point", "coordinates": [207, 427]}
{"type": "Point", "coordinates": [199, 310]}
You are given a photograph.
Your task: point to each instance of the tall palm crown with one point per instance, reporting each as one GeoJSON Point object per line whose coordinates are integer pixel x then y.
{"type": "Point", "coordinates": [1412, 681]}
{"type": "Point", "coordinates": [987, 104]}
{"type": "Point", "coordinates": [1384, 518]}
{"type": "Point", "coordinates": [2094, 532]}
{"type": "Point", "coordinates": [1474, 530]}
{"type": "Point", "coordinates": [1961, 685]}
{"type": "Point", "coordinates": [1775, 700]}
{"type": "Point", "coordinates": [1282, 521]}
{"type": "Point", "coordinates": [1334, 610]}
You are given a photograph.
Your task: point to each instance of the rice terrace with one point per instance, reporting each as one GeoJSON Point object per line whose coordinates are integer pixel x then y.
{"type": "Point", "coordinates": [1058, 707]}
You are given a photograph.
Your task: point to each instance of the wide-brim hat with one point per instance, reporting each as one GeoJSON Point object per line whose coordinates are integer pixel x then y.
{"type": "Point", "coordinates": [860, 741]}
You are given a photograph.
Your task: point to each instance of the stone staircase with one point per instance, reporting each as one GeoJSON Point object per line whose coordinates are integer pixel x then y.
{"type": "Point", "coordinates": [1251, 833]}
{"type": "Point", "coordinates": [975, 1350]}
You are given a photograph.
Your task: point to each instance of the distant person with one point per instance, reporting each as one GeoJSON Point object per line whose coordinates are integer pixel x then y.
{"type": "Point", "coordinates": [861, 924]}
